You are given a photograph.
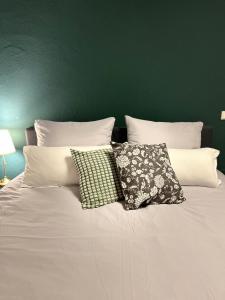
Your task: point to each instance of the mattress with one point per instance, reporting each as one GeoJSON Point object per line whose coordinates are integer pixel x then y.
{"type": "Point", "coordinates": [51, 249]}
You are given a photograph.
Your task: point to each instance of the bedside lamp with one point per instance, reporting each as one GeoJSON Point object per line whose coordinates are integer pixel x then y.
{"type": "Point", "coordinates": [6, 147]}
{"type": "Point", "coordinates": [223, 115]}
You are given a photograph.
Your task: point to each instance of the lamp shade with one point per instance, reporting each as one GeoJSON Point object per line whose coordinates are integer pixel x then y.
{"type": "Point", "coordinates": [223, 115]}
{"type": "Point", "coordinates": [6, 143]}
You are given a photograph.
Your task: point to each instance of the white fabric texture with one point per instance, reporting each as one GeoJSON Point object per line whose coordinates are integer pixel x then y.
{"type": "Point", "coordinates": [50, 166]}
{"type": "Point", "coordinates": [94, 133]}
{"type": "Point", "coordinates": [195, 166]}
{"type": "Point", "coordinates": [51, 249]}
{"type": "Point", "coordinates": [181, 135]}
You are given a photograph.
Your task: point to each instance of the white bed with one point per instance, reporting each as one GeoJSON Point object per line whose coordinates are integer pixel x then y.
{"type": "Point", "coordinates": [51, 249]}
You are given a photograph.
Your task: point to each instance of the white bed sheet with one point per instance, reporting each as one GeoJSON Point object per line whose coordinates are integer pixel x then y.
{"type": "Point", "coordinates": [51, 249]}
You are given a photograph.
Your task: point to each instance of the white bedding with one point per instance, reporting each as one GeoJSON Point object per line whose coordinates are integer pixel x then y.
{"type": "Point", "coordinates": [51, 249]}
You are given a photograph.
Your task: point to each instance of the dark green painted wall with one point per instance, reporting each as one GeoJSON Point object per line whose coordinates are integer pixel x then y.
{"type": "Point", "coordinates": [84, 60]}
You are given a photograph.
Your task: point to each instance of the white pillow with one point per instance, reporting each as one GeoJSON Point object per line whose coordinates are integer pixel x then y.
{"type": "Point", "coordinates": [56, 134]}
{"type": "Point", "coordinates": [51, 166]}
{"type": "Point", "coordinates": [195, 166]}
{"type": "Point", "coordinates": [181, 135]}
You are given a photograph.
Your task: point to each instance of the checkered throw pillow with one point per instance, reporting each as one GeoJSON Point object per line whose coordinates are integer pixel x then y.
{"type": "Point", "coordinates": [99, 180]}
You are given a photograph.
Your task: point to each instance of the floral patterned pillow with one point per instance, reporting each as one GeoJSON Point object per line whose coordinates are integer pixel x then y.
{"type": "Point", "coordinates": [146, 175]}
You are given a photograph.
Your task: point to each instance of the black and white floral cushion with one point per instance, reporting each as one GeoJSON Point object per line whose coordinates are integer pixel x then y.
{"type": "Point", "coordinates": [146, 175]}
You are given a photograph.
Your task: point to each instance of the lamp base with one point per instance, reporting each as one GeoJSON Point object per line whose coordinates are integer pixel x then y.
{"type": "Point", "coordinates": [4, 181]}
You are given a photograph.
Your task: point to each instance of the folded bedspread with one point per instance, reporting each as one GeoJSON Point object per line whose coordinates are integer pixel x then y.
{"type": "Point", "coordinates": [51, 249]}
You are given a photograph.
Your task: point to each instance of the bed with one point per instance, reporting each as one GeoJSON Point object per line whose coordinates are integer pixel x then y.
{"type": "Point", "coordinates": [52, 249]}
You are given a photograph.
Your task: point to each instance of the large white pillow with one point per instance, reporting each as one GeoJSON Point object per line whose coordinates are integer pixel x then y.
{"type": "Point", "coordinates": [195, 166]}
{"type": "Point", "coordinates": [54, 134]}
{"type": "Point", "coordinates": [181, 135]}
{"type": "Point", "coordinates": [51, 166]}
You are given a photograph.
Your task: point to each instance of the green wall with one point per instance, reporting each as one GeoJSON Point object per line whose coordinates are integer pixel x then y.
{"type": "Point", "coordinates": [84, 60]}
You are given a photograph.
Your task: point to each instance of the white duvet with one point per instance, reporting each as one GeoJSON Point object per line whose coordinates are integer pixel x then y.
{"type": "Point", "coordinates": [51, 249]}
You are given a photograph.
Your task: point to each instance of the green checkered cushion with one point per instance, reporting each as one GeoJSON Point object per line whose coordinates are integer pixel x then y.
{"type": "Point", "coordinates": [99, 180]}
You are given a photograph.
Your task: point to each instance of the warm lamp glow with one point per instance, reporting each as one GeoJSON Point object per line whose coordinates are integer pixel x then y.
{"type": "Point", "coordinates": [6, 143]}
{"type": "Point", "coordinates": [6, 147]}
{"type": "Point", "coordinates": [223, 115]}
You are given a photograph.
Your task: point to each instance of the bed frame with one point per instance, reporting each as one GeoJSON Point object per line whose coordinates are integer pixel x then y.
{"type": "Point", "coordinates": [119, 135]}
